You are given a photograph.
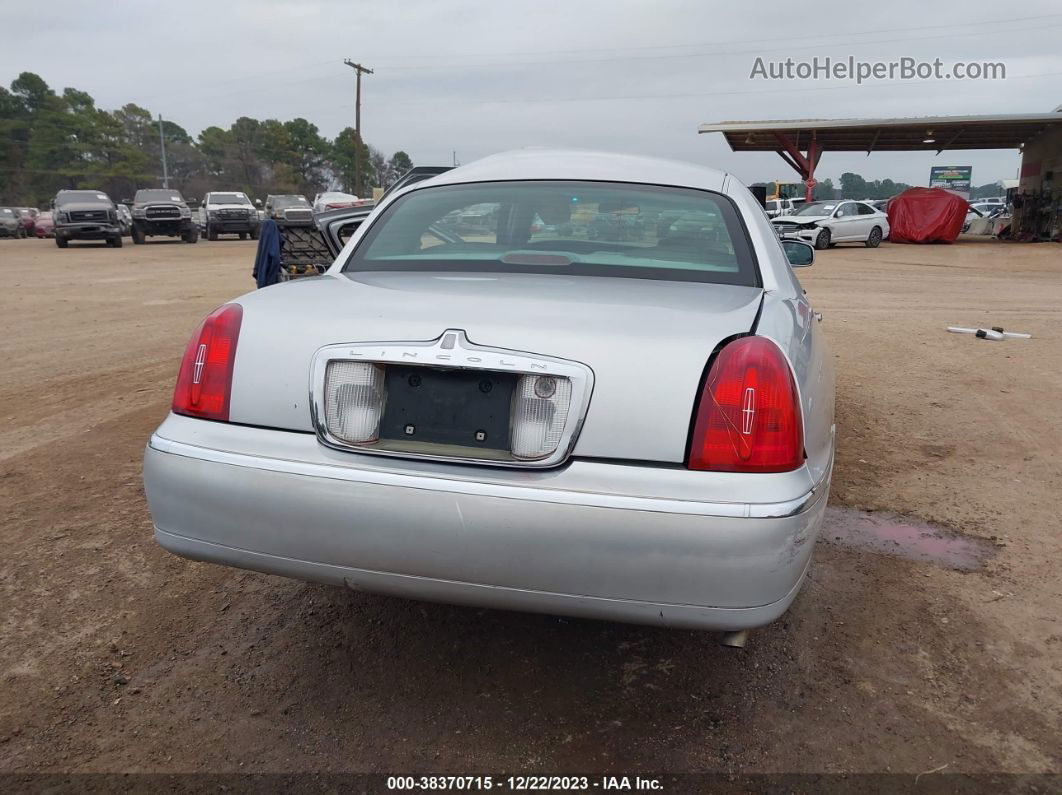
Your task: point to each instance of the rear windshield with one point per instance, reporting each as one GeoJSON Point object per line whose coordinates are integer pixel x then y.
{"type": "Point", "coordinates": [81, 196]}
{"type": "Point", "coordinates": [578, 228]}
{"type": "Point", "coordinates": [157, 196]}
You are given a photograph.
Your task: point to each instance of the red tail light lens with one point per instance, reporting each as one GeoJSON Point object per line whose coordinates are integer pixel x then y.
{"type": "Point", "coordinates": [204, 382]}
{"type": "Point", "coordinates": [748, 417]}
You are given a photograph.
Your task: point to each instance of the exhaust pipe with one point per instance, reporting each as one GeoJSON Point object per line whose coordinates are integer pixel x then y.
{"type": "Point", "coordinates": [735, 639]}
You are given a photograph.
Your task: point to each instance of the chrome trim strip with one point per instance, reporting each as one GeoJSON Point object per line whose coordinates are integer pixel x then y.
{"type": "Point", "coordinates": [475, 488]}
{"type": "Point", "coordinates": [452, 350]}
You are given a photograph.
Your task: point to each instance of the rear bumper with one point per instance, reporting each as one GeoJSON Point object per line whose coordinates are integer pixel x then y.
{"type": "Point", "coordinates": [412, 533]}
{"type": "Point", "coordinates": [484, 595]}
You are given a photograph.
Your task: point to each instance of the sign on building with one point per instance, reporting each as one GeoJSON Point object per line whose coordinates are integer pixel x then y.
{"type": "Point", "coordinates": [954, 178]}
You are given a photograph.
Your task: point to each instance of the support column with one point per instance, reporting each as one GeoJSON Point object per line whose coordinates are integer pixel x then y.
{"type": "Point", "coordinates": [814, 153]}
{"type": "Point", "coordinates": [803, 164]}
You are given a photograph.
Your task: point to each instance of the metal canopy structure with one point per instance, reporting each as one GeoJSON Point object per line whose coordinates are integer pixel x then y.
{"type": "Point", "coordinates": [801, 142]}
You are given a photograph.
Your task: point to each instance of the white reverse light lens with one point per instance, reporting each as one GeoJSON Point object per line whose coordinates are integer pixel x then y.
{"type": "Point", "coordinates": [540, 409]}
{"type": "Point", "coordinates": [354, 400]}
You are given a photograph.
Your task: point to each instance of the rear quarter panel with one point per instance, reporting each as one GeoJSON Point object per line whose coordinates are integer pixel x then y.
{"type": "Point", "coordinates": [787, 318]}
{"type": "Point", "coordinates": [790, 322]}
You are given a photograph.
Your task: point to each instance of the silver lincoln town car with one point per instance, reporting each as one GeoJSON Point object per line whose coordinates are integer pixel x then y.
{"type": "Point", "coordinates": [565, 382]}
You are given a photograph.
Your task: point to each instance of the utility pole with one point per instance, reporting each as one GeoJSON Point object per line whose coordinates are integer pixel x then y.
{"type": "Point", "coordinates": [162, 143]}
{"type": "Point", "coordinates": [358, 70]}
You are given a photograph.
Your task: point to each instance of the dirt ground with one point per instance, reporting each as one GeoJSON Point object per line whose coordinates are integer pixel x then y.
{"type": "Point", "coordinates": [117, 656]}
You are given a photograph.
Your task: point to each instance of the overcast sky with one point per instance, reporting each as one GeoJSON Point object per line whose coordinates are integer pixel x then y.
{"type": "Point", "coordinates": [480, 77]}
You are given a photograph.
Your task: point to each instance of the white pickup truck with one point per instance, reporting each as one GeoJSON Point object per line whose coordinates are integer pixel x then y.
{"type": "Point", "coordinates": [227, 213]}
{"type": "Point", "coordinates": [777, 207]}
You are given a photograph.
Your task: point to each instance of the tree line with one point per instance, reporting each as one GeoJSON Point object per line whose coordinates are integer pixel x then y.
{"type": "Point", "coordinates": [51, 141]}
{"type": "Point", "coordinates": [854, 186]}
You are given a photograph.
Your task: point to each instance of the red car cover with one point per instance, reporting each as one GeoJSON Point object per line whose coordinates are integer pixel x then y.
{"type": "Point", "coordinates": [926, 215]}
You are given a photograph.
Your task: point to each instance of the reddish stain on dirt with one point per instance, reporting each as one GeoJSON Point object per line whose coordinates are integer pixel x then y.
{"type": "Point", "coordinates": [905, 537]}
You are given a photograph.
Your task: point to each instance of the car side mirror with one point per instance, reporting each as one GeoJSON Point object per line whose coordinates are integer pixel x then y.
{"type": "Point", "coordinates": [800, 255]}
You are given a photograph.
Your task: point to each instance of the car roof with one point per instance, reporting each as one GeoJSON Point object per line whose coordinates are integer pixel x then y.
{"type": "Point", "coordinates": [583, 165]}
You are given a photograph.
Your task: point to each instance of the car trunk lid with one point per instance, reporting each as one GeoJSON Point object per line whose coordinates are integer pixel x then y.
{"type": "Point", "coordinates": [646, 341]}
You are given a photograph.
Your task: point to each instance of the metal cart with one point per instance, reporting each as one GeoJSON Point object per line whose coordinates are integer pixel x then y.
{"type": "Point", "coordinates": [302, 251]}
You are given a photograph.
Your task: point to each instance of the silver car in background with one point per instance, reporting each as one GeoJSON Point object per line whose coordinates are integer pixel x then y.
{"type": "Point", "coordinates": [564, 382]}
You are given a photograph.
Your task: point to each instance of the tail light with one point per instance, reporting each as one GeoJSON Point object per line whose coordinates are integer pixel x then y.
{"type": "Point", "coordinates": [748, 417]}
{"type": "Point", "coordinates": [204, 382]}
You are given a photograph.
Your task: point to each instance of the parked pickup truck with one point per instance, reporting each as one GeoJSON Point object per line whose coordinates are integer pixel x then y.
{"type": "Point", "coordinates": [85, 215]}
{"type": "Point", "coordinates": [289, 210]}
{"type": "Point", "coordinates": [162, 212]}
{"type": "Point", "coordinates": [226, 213]}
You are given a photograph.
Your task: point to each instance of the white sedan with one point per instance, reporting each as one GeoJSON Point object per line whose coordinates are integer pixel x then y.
{"type": "Point", "coordinates": [824, 224]}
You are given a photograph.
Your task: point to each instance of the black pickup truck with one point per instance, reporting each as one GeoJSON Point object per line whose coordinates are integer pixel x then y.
{"type": "Point", "coordinates": [162, 211]}
{"type": "Point", "coordinates": [85, 215]}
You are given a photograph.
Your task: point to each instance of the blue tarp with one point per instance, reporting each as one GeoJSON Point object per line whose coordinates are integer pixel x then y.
{"type": "Point", "coordinates": [267, 260]}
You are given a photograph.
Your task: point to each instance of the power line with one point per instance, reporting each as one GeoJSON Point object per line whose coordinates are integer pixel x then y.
{"type": "Point", "coordinates": [255, 76]}
{"type": "Point", "coordinates": [570, 62]}
{"type": "Point", "coordinates": [625, 56]}
{"type": "Point", "coordinates": [613, 97]}
{"type": "Point", "coordinates": [81, 172]}
{"type": "Point", "coordinates": [317, 79]}
{"type": "Point", "coordinates": [844, 35]}
{"type": "Point", "coordinates": [754, 51]}
{"type": "Point", "coordinates": [684, 95]}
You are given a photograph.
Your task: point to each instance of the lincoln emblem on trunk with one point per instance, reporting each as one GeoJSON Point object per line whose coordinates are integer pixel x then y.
{"type": "Point", "coordinates": [748, 410]}
{"type": "Point", "coordinates": [200, 361]}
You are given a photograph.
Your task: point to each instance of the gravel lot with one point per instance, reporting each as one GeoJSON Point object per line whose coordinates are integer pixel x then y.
{"type": "Point", "coordinates": [117, 656]}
